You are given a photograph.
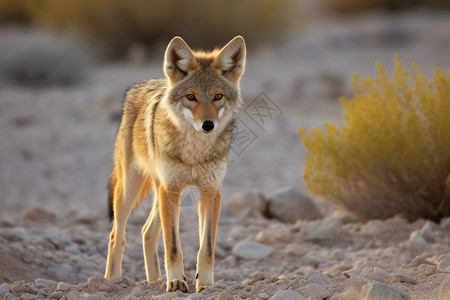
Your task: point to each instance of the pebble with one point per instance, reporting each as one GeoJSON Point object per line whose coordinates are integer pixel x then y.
{"type": "Point", "coordinates": [287, 295]}
{"type": "Point", "coordinates": [15, 234]}
{"type": "Point", "coordinates": [295, 249]}
{"type": "Point", "coordinates": [317, 277]}
{"type": "Point", "coordinates": [251, 203]}
{"type": "Point", "coordinates": [264, 296]}
{"type": "Point", "coordinates": [326, 229]}
{"type": "Point", "coordinates": [346, 295]}
{"type": "Point", "coordinates": [315, 291]}
{"type": "Point", "coordinates": [417, 243]}
{"type": "Point", "coordinates": [225, 296]}
{"type": "Point", "coordinates": [45, 282]}
{"type": "Point", "coordinates": [4, 288]}
{"type": "Point", "coordinates": [444, 263]}
{"type": "Point", "coordinates": [251, 250]}
{"type": "Point", "coordinates": [381, 291]}
{"type": "Point", "coordinates": [401, 278]}
{"type": "Point", "coordinates": [444, 290]}
{"type": "Point", "coordinates": [106, 287]}
{"type": "Point", "coordinates": [418, 261]}
{"type": "Point", "coordinates": [56, 295]}
{"type": "Point", "coordinates": [427, 231]}
{"type": "Point", "coordinates": [289, 205]}
{"type": "Point", "coordinates": [62, 286]}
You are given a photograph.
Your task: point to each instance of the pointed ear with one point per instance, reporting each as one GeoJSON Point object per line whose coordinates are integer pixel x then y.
{"type": "Point", "coordinates": [178, 60]}
{"type": "Point", "coordinates": [231, 59]}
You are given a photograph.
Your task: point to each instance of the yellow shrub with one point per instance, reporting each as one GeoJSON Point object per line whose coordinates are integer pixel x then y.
{"type": "Point", "coordinates": [393, 155]}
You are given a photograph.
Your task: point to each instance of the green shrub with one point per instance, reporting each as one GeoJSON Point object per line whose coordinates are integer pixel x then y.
{"type": "Point", "coordinates": [117, 24]}
{"type": "Point", "coordinates": [393, 155]}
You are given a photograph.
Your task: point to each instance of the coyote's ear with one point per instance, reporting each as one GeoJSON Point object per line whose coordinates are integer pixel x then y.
{"type": "Point", "coordinates": [231, 59]}
{"type": "Point", "coordinates": [178, 60]}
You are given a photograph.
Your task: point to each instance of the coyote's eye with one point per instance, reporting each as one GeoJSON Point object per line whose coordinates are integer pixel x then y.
{"type": "Point", "coordinates": [217, 97]}
{"type": "Point", "coordinates": [191, 97]}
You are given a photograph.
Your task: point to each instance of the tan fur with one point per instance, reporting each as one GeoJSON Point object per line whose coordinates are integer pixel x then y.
{"type": "Point", "coordinates": [164, 143]}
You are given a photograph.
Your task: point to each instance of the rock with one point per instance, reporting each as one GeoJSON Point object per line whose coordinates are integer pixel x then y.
{"type": "Point", "coordinates": [346, 295]}
{"type": "Point", "coordinates": [251, 250]}
{"type": "Point", "coordinates": [418, 261]}
{"type": "Point", "coordinates": [417, 243]}
{"type": "Point", "coordinates": [373, 228]}
{"type": "Point", "coordinates": [314, 291]}
{"type": "Point", "coordinates": [26, 296]}
{"type": "Point", "coordinates": [15, 234]}
{"type": "Point", "coordinates": [287, 295]}
{"type": "Point", "coordinates": [4, 288]}
{"type": "Point", "coordinates": [295, 249]}
{"type": "Point", "coordinates": [326, 229]}
{"type": "Point", "coordinates": [122, 279]}
{"type": "Point", "coordinates": [317, 277]}
{"type": "Point", "coordinates": [225, 296]}
{"type": "Point", "coordinates": [289, 205]}
{"type": "Point", "coordinates": [56, 295]}
{"type": "Point", "coordinates": [381, 291]}
{"type": "Point", "coordinates": [94, 283]}
{"type": "Point", "coordinates": [444, 263]}
{"type": "Point", "coordinates": [403, 279]}
{"type": "Point", "coordinates": [444, 290]}
{"type": "Point", "coordinates": [45, 282]}
{"type": "Point", "coordinates": [427, 231]}
{"type": "Point", "coordinates": [254, 280]}
{"type": "Point", "coordinates": [105, 287]}
{"type": "Point", "coordinates": [251, 203]}
{"type": "Point", "coordinates": [74, 295]}
{"type": "Point", "coordinates": [264, 296]}
{"type": "Point", "coordinates": [58, 238]}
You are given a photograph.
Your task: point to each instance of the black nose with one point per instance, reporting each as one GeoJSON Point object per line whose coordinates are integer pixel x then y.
{"type": "Point", "coordinates": [208, 125]}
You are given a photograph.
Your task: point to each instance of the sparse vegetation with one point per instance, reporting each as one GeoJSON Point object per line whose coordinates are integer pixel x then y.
{"type": "Point", "coordinates": [393, 155]}
{"type": "Point", "coordinates": [42, 61]}
{"type": "Point", "coordinates": [115, 25]}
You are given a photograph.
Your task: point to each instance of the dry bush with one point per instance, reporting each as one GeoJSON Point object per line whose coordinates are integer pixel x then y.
{"type": "Point", "coordinates": [393, 155]}
{"type": "Point", "coordinates": [38, 60]}
{"type": "Point", "coordinates": [117, 24]}
{"type": "Point", "coordinates": [356, 6]}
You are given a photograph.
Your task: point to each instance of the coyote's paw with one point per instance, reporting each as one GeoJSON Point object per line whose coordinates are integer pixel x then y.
{"type": "Point", "coordinates": [200, 288]}
{"type": "Point", "coordinates": [177, 285]}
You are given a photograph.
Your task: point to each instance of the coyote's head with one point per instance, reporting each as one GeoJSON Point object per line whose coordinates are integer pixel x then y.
{"type": "Point", "coordinates": [203, 87]}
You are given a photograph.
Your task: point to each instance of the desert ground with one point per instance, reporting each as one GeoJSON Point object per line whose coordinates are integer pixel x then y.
{"type": "Point", "coordinates": [56, 154]}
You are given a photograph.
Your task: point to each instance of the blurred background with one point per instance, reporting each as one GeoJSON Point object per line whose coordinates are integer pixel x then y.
{"type": "Point", "coordinates": [65, 65]}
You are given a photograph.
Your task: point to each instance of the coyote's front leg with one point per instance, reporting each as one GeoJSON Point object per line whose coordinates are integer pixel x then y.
{"type": "Point", "coordinates": [169, 203]}
{"type": "Point", "coordinates": [208, 212]}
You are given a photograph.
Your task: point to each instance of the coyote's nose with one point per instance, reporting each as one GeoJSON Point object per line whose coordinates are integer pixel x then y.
{"type": "Point", "coordinates": [208, 125]}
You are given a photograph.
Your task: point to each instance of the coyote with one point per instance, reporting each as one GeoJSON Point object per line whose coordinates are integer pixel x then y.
{"type": "Point", "coordinates": [176, 133]}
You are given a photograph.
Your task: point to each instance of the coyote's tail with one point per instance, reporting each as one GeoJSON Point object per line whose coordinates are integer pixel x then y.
{"type": "Point", "coordinates": [111, 187]}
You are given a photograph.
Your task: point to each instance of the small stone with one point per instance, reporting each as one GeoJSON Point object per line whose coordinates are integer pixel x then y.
{"type": "Point", "coordinates": [381, 291]}
{"type": "Point", "coordinates": [263, 296]}
{"type": "Point", "coordinates": [94, 282]}
{"type": "Point", "coordinates": [444, 263]}
{"type": "Point", "coordinates": [315, 291]}
{"type": "Point", "coordinates": [62, 286]}
{"type": "Point", "coordinates": [295, 249]}
{"type": "Point", "coordinates": [225, 296]}
{"type": "Point", "coordinates": [254, 280]}
{"type": "Point", "coordinates": [251, 250]}
{"type": "Point", "coordinates": [347, 295]}
{"type": "Point", "coordinates": [122, 279]}
{"type": "Point", "coordinates": [4, 288]}
{"type": "Point", "coordinates": [15, 234]}
{"type": "Point", "coordinates": [131, 297]}
{"type": "Point", "coordinates": [287, 295]}
{"type": "Point", "coordinates": [403, 279]}
{"type": "Point", "coordinates": [56, 295]}
{"type": "Point", "coordinates": [317, 277]}
{"type": "Point", "coordinates": [250, 203]}
{"type": "Point", "coordinates": [33, 289]}
{"type": "Point", "coordinates": [427, 231]}
{"type": "Point", "coordinates": [46, 282]}
{"type": "Point", "coordinates": [419, 261]}
{"type": "Point", "coordinates": [444, 290]}
{"type": "Point", "coordinates": [326, 229]}
{"type": "Point", "coordinates": [417, 243]}
{"type": "Point", "coordinates": [289, 205]}
{"type": "Point", "coordinates": [26, 296]}
{"type": "Point", "coordinates": [106, 287]}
